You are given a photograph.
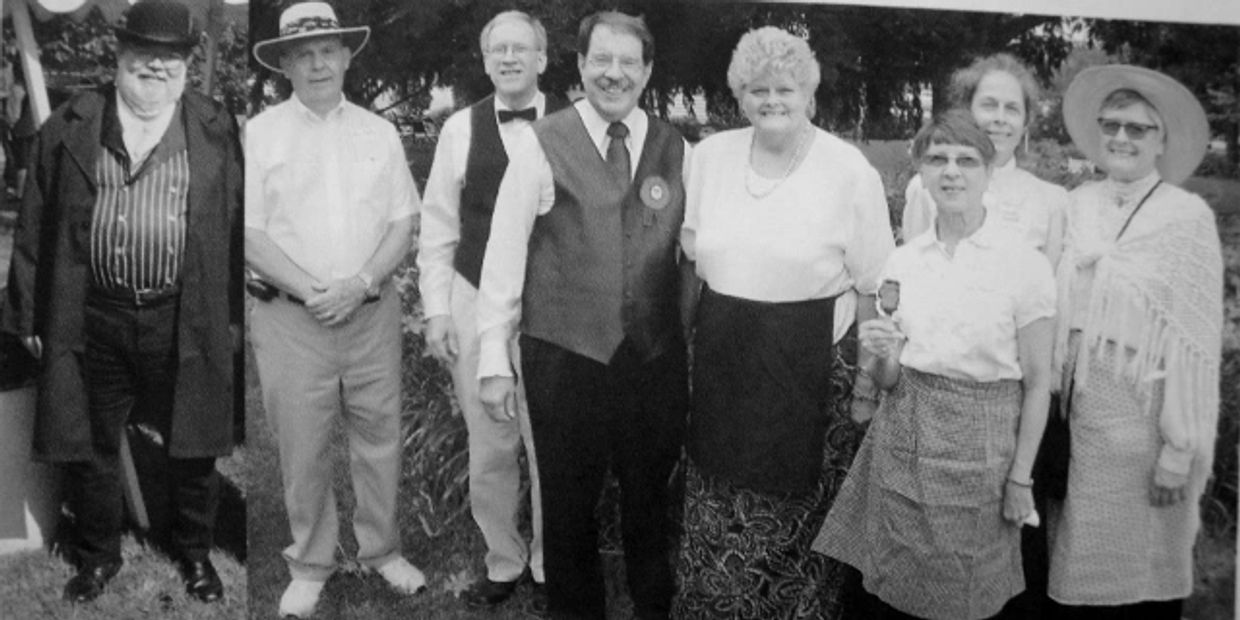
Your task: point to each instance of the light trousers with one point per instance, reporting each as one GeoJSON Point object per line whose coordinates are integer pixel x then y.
{"type": "Point", "coordinates": [311, 376]}
{"type": "Point", "coordinates": [494, 448]}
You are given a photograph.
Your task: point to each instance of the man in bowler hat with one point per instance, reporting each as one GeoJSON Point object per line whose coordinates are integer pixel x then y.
{"type": "Point", "coordinates": [125, 282]}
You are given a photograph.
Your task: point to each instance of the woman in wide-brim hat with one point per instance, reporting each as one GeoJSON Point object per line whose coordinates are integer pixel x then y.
{"type": "Point", "coordinates": [308, 20]}
{"type": "Point", "coordinates": [1140, 289]}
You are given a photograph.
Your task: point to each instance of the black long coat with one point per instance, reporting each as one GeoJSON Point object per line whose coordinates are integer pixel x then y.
{"type": "Point", "coordinates": [49, 276]}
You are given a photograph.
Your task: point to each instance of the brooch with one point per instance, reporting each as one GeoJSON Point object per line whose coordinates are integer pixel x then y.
{"type": "Point", "coordinates": [655, 192]}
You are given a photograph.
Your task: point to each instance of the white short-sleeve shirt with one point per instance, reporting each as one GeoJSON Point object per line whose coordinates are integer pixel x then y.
{"type": "Point", "coordinates": [961, 313]}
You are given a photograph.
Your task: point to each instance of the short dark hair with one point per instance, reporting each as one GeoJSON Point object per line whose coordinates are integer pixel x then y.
{"type": "Point", "coordinates": [956, 126]}
{"type": "Point", "coordinates": [620, 22]}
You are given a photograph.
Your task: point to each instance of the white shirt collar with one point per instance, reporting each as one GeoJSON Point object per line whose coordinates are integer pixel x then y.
{"type": "Point", "coordinates": [596, 125]}
{"type": "Point", "coordinates": [310, 114]}
{"type": "Point", "coordinates": [539, 102]}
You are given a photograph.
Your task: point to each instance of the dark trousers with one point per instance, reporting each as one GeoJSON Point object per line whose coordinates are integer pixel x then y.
{"type": "Point", "coordinates": [130, 369]}
{"type": "Point", "coordinates": [586, 416]}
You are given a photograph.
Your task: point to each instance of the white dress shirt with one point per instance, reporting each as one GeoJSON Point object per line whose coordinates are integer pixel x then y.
{"type": "Point", "coordinates": [441, 203]}
{"type": "Point", "coordinates": [325, 189]}
{"type": "Point", "coordinates": [961, 313]}
{"type": "Point", "coordinates": [824, 231]}
{"type": "Point", "coordinates": [526, 192]}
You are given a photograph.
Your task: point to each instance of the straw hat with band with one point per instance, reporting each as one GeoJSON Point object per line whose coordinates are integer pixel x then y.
{"type": "Point", "coordinates": [304, 21]}
{"type": "Point", "coordinates": [1186, 131]}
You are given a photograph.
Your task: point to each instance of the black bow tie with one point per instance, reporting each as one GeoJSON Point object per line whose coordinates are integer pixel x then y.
{"type": "Point", "coordinates": [529, 114]}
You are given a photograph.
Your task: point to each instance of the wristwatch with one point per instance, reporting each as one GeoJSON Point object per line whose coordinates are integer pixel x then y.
{"type": "Point", "coordinates": [372, 290]}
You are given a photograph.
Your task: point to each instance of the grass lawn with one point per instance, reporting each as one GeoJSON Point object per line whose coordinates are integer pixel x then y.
{"type": "Point", "coordinates": [448, 550]}
{"type": "Point", "coordinates": [148, 586]}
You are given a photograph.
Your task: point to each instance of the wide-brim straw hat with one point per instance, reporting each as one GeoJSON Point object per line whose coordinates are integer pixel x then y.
{"type": "Point", "coordinates": [1186, 129]}
{"type": "Point", "coordinates": [308, 20]}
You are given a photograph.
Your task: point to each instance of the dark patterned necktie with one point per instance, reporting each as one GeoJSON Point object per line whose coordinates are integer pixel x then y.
{"type": "Point", "coordinates": [618, 153]}
{"type": "Point", "coordinates": [529, 114]}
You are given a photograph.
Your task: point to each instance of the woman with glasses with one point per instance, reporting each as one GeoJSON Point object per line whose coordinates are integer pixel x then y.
{"type": "Point", "coordinates": [931, 511]}
{"type": "Point", "coordinates": [787, 228]}
{"type": "Point", "coordinates": [1140, 287]}
{"type": "Point", "coordinates": [1001, 94]}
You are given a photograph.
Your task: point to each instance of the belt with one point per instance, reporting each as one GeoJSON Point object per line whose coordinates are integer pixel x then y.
{"type": "Point", "coordinates": [138, 298]}
{"type": "Point", "coordinates": [263, 291]}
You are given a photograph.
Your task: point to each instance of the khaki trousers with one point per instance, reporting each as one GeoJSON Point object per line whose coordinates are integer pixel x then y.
{"type": "Point", "coordinates": [494, 469]}
{"type": "Point", "coordinates": [311, 376]}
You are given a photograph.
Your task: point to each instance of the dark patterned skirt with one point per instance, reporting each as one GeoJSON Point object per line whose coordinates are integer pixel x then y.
{"type": "Point", "coordinates": [746, 554]}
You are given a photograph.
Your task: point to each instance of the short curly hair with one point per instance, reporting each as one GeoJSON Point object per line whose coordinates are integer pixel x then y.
{"type": "Point", "coordinates": [772, 51]}
{"type": "Point", "coordinates": [964, 82]}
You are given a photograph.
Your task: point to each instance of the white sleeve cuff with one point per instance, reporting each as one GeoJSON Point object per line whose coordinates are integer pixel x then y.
{"type": "Point", "coordinates": [1175, 460]}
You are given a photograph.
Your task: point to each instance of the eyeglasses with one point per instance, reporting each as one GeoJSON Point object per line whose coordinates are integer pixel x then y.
{"type": "Point", "coordinates": [964, 162]}
{"type": "Point", "coordinates": [628, 64]}
{"type": "Point", "coordinates": [1135, 131]}
{"type": "Point", "coordinates": [517, 49]}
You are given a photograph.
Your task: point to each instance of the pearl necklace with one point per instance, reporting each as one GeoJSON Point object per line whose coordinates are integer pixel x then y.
{"type": "Point", "coordinates": [766, 186]}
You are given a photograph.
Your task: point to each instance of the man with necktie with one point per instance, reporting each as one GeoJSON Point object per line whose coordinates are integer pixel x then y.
{"type": "Point", "coordinates": [583, 253]}
{"type": "Point", "coordinates": [470, 159]}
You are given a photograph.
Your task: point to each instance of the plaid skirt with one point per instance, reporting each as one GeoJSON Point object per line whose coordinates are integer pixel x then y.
{"type": "Point", "coordinates": [746, 553]}
{"type": "Point", "coordinates": [920, 514]}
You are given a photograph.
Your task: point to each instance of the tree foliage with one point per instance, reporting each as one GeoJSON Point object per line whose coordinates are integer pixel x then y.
{"type": "Point", "coordinates": [875, 61]}
{"type": "Point", "coordinates": [78, 54]}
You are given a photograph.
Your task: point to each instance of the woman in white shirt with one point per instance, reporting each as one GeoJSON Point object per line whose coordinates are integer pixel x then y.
{"type": "Point", "coordinates": [787, 228]}
{"type": "Point", "coordinates": [931, 510]}
{"type": "Point", "coordinates": [1001, 94]}
{"type": "Point", "coordinates": [1141, 312]}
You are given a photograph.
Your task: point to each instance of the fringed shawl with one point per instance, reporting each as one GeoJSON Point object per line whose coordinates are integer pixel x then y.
{"type": "Point", "coordinates": [1158, 292]}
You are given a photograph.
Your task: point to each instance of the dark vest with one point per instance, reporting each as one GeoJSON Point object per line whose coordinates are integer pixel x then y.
{"type": "Point", "coordinates": [484, 169]}
{"type": "Point", "coordinates": [603, 262]}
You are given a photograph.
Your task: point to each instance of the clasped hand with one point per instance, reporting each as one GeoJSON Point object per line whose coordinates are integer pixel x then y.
{"type": "Point", "coordinates": [881, 337]}
{"type": "Point", "coordinates": [333, 303]}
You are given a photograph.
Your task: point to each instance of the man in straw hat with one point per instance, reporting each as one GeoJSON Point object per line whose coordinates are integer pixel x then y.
{"type": "Point", "coordinates": [583, 252]}
{"type": "Point", "coordinates": [1140, 341]}
{"type": "Point", "coordinates": [329, 216]}
{"type": "Point", "coordinates": [126, 281]}
{"type": "Point", "coordinates": [470, 160]}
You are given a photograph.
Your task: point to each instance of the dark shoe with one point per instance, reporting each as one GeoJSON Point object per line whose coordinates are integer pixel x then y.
{"type": "Point", "coordinates": [88, 583]}
{"type": "Point", "coordinates": [201, 581]}
{"type": "Point", "coordinates": [485, 593]}
{"type": "Point", "coordinates": [538, 601]}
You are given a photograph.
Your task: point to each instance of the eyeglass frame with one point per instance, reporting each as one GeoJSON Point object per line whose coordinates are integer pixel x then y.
{"type": "Point", "coordinates": [1135, 131]}
{"type": "Point", "coordinates": [517, 49]}
{"type": "Point", "coordinates": [602, 62]}
{"type": "Point", "coordinates": [973, 163]}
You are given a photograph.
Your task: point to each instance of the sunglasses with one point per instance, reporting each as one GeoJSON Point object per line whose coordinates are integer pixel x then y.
{"type": "Point", "coordinates": [1136, 131]}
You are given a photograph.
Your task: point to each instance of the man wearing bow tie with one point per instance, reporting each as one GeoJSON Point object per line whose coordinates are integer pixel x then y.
{"type": "Point", "coordinates": [470, 160]}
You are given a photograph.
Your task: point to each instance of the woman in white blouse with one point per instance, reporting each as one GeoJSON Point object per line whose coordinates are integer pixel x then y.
{"type": "Point", "coordinates": [1140, 342]}
{"type": "Point", "coordinates": [1001, 94]}
{"type": "Point", "coordinates": [787, 227]}
{"type": "Point", "coordinates": [931, 510]}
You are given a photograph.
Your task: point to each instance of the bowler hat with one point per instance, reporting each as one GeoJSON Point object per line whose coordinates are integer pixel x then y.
{"type": "Point", "coordinates": [159, 22]}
